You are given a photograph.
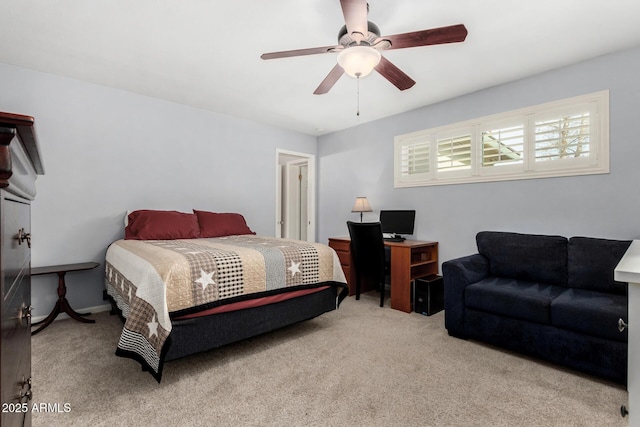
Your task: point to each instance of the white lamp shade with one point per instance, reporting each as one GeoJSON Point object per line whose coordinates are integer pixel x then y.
{"type": "Point", "coordinates": [361, 205]}
{"type": "Point", "coordinates": [358, 61]}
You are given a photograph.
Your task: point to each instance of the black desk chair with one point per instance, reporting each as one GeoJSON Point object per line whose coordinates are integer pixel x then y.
{"type": "Point", "coordinates": [367, 247]}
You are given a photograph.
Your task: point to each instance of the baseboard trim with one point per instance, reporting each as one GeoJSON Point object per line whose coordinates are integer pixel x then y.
{"type": "Point", "coordinates": [62, 316]}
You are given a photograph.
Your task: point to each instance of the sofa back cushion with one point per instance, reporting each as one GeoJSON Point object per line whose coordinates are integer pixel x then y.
{"type": "Point", "coordinates": [532, 257]}
{"type": "Point", "coordinates": [592, 261]}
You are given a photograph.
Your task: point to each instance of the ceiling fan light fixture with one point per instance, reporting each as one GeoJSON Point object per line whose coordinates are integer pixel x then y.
{"type": "Point", "coordinates": [358, 61]}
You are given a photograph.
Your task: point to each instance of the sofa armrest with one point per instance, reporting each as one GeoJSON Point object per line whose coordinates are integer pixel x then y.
{"type": "Point", "coordinates": [457, 275]}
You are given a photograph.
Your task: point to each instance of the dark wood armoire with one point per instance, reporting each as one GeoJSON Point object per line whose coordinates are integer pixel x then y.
{"type": "Point", "coordinates": [20, 162]}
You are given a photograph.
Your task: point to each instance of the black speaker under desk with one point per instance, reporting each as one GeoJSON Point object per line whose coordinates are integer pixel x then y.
{"type": "Point", "coordinates": [428, 295]}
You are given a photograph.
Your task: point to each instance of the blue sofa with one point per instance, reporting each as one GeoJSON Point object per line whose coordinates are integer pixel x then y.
{"type": "Point", "coordinates": [544, 296]}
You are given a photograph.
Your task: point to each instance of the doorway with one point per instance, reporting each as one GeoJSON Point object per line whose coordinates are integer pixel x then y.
{"type": "Point", "coordinates": [295, 195]}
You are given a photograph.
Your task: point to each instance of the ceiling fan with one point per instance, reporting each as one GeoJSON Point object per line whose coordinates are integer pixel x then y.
{"type": "Point", "coordinates": [360, 42]}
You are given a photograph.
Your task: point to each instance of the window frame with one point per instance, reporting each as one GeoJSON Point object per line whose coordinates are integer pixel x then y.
{"type": "Point", "coordinates": [597, 161]}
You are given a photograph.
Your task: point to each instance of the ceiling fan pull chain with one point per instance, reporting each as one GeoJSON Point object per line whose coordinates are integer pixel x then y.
{"type": "Point", "coordinates": [358, 96]}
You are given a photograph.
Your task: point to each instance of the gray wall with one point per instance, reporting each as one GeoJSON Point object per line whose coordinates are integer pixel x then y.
{"type": "Point", "coordinates": [359, 162]}
{"type": "Point", "coordinates": [107, 151]}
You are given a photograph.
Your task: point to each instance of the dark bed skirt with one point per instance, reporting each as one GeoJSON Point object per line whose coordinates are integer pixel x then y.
{"type": "Point", "coordinates": [190, 336]}
{"type": "Point", "coordinates": [204, 333]}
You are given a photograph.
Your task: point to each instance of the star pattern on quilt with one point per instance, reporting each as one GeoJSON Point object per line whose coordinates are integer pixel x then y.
{"type": "Point", "coordinates": [205, 279]}
{"type": "Point", "coordinates": [294, 268]}
{"type": "Point", "coordinates": [153, 327]}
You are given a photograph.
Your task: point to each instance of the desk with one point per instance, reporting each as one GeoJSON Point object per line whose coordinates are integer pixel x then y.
{"type": "Point", "coordinates": [410, 259]}
{"type": "Point", "coordinates": [62, 305]}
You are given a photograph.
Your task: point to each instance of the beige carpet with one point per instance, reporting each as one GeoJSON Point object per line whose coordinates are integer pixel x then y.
{"type": "Point", "coordinates": [359, 366]}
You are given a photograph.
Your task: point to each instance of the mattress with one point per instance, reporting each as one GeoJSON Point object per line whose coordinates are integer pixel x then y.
{"type": "Point", "coordinates": [155, 281]}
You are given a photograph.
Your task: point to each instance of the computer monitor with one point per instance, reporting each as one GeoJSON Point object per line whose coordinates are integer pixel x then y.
{"type": "Point", "coordinates": [397, 222]}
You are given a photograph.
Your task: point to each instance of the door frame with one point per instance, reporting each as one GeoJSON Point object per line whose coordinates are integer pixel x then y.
{"type": "Point", "coordinates": [284, 157]}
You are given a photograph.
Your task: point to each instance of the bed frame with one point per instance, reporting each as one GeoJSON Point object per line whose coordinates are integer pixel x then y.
{"type": "Point", "coordinates": [190, 336]}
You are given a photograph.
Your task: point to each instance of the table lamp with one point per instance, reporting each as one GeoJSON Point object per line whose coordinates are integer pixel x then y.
{"type": "Point", "coordinates": [361, 205]}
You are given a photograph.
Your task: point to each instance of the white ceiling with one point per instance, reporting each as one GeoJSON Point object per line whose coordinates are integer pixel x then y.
{"type": "Point", "coordinates": [206, 53]}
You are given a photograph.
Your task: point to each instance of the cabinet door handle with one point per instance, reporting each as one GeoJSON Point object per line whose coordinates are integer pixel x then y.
{"type": "Point", "coordinates": [24, 313]}
{"type": "Point", "coordinates": [22, 236]}
{"type": "Point", "coordinates": [28, 393]}
{"type": "Point", "coordinates": [622, 325]}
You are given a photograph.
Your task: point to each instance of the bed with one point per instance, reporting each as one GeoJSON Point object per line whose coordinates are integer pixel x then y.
{"type": "Point", "coordinates": [185, 283]}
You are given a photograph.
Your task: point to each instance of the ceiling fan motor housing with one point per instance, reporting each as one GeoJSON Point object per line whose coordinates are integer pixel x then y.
{"type": "Point", "coordinates": [346, 39]}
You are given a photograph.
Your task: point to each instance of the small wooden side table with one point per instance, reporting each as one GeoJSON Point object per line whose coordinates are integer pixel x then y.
{"type": "Point", "coordinates": [62, 305]}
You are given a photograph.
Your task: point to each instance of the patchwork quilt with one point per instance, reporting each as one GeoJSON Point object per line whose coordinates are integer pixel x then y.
{"type": "Point", "coordinates": [152, 279]}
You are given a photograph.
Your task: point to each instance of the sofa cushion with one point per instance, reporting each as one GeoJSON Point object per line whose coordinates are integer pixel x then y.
{"type": "Point", "coordinates": [535, 258]}
{"type": "Point", "coordinates": [590, 312]}
{"type": "Point", "coordinates": [519, 299]}
{"type": "Point", "coordinates": [592, 261]}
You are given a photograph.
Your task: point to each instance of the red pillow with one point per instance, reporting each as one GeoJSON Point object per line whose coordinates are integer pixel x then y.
{"type": "Point", "coordinates": [161, 225]}
{"type": "Point", "coordinates": [221, 224]}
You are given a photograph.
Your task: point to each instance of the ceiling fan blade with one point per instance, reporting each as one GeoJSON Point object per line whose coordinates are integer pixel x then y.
{"type": "Point", "coordinates": [355, 16]}
{"type": "Point", "coordinates": [299, 52]}
{"type": "Point", "coordinates": [394, 74]}
{"type": "Point", "coordinates": [330, 80]}
{"type": "Point", "coordinates": [451, 34]}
